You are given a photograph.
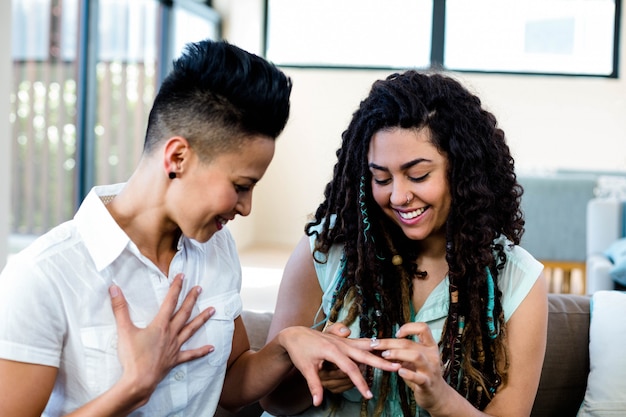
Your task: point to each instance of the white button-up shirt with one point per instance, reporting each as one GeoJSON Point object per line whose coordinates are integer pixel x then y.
{"type": "Point", "coordinates": [55, 309]}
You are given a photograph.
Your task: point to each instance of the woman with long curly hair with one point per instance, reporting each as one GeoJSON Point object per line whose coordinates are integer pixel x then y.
{"type": "Point", "coordinates": [416, 247]}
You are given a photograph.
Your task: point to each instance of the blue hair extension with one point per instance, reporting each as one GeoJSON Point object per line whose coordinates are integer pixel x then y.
{"type": "Point", "coordinates": [490, 305]}
{"type": "Point", "coordinates": [363, 207]}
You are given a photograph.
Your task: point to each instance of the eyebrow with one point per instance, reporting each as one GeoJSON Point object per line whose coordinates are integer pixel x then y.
{"type": "Point", "coordinates": [404, 166]}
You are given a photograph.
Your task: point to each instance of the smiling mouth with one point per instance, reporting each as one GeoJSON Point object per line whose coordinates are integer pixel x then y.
{"type": "Point", "coordinates": [221, 222]}
{"type": "Point", "coordinates": [408, 215]}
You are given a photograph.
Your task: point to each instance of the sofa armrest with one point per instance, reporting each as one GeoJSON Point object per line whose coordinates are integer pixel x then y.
{"type": "Point", "coordinates": [604, 224]}
{"type": "Point", "coordinates": [597, 274]}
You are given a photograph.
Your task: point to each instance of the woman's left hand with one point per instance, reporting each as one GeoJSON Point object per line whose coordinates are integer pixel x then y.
{"type": "Point", "coordinates": [421, 363]}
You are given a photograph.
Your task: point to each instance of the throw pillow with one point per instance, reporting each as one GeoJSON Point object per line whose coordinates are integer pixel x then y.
{"type": "Point", "coordinates": [606, 384]}
{"type": "Point", "coordinates": [617, 254]}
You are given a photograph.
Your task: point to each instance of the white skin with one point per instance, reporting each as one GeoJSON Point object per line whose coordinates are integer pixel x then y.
{"type": "Point", "coordinates": [154, 210]}
{"type": "Point", "coordinates": [409, 183]}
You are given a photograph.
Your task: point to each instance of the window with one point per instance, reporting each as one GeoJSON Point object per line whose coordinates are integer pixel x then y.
{"type": "Point", "coordinates": [566, 37]}
{"type": "Point", "coordinates": [535, 36]}
{"type": "Point", "coordinates": [84, 81]}
{"type": "Point", "coordinates": [349, 33]}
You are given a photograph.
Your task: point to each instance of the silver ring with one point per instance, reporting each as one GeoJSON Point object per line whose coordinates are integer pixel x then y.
{"type": "Point", "coordinates": [408, 200]}
{"type": "Point", "coordinates": [373, 341]}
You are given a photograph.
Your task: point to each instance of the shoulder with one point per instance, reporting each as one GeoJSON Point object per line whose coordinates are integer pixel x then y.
{"type": "Point", "coordinates": [515, 280]}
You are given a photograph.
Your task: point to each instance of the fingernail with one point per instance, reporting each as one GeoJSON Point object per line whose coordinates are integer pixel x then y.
{"type": "Point", "coordinates": [343, 330]}
{"type": "Point", "coordinates": [402, 372]}
{"type": "Point", "coordinates": [397, 333]}
{"type": "Point", "coordinates": [198, 290]}
{"type": "Point", "coordinates": [114, 290]}
{"type": "Point", "coordinates": [385, 354]}
{"type": "Point", "coordinates": [315, 400]}
{"type": "Point", "coordinates": [369, 394]}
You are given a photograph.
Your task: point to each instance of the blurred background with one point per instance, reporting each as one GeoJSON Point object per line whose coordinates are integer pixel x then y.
{"type": "Point", "coordinates": [79, 76]}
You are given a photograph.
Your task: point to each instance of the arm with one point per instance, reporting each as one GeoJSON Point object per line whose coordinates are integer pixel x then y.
{"type": "Point", "coordinates": [146, 355]}
{"type": "Point", "coordinates": [526, 336]}
{"type": "Point", "coordinates": [298, 301]}
{"type": "Point", "coordinates": [293, 343]}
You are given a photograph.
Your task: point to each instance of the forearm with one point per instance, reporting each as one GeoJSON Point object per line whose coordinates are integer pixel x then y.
{"type": "Point", "coordinates": [452, 404]}
{"type": "Point", "coordinates": [254, 375]}
{"type": "Point", "coordinates": [119, 401]}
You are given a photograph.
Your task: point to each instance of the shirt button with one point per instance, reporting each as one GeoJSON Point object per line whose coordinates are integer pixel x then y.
{"type": "Point", "coordinates": [179, 376]}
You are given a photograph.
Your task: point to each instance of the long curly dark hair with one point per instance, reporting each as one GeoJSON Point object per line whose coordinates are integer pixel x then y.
{"type": "Point", "coordinates": [485, 204]}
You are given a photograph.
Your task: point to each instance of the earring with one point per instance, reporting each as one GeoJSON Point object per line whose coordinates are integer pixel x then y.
{"type": "Point", "coordinates": [409, 197]}
{"type": "Point", "coordinates": [172, 175]}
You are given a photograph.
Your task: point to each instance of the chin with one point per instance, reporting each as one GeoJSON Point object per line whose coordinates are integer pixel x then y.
{"type": "Point", "coordinates": [205, 237]}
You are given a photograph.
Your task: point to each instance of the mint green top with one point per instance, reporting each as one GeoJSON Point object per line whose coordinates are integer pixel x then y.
{"type": "Point", "coordinates": [515, 280]}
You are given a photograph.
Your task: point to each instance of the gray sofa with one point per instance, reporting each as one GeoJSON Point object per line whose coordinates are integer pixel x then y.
{"type": "Point", "coordinates": [565, 369]}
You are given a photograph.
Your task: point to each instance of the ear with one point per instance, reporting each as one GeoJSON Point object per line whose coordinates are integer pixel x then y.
{"type": "Point", "coordinates": [175, 152]}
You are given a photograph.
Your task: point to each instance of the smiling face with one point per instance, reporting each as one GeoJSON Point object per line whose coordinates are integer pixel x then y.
{"type": "Point", "coordinates": [212, 193]}
{"type": "Point", "coordinates": [409, 181]}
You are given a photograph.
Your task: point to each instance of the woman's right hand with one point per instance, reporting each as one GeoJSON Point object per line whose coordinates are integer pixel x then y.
{"type": "Point", "coordinates": [147, 355]}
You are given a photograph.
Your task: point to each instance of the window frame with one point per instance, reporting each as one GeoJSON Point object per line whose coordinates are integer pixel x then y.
{"type": "Point", "coordinates": [438, 48]}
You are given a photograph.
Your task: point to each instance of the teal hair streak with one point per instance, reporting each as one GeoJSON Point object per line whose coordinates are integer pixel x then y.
{"type": "Point", "coordinates": [490, 305]}
{"type": "Point", "coordinates": [363, 207]}
{"type": "Point", "coordinates": [365, 216]}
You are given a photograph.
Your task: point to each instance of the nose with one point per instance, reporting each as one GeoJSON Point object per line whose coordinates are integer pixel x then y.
{"type": "Point", "coordinates": [401, 194]}
{"type": "Point", "coordinates": [244, 205]}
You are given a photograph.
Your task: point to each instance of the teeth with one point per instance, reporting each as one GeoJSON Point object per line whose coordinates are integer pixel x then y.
{"type": "Point", "coordinates": [412, 214]}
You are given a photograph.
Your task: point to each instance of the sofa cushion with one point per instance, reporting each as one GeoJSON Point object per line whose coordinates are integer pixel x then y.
{"type": "Point", "coordinates": [566, 364]}
{"type": "Point", "coordinates": [606, 387]}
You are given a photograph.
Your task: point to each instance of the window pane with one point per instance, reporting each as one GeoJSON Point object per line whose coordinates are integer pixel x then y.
{"type": "Point", "coordinates": [541, 36]}
{"type": "Point", "coordinates": [43, 114]}
{"type": "Point", "coordinates": [193, 22]}
{"type": "Point", "coordinates": [361, 33]}
{"type": "Point", "coordinates": [126, 83]}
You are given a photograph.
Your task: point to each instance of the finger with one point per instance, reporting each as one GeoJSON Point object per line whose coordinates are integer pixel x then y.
{"type": "Point", "coordinates": [315, 385]}
{"type": "Point", "coordinates": [412, 378]}
{"type": "Point", "coordinates": [171, 299]}
{"type": "Point", "coordinates": [338, 329]}
{"type": "Point", "coordinates": [184, 312]}
{"type": "Point", "coordinates": [194, 325]}
{"type": "Point", "coordinates": [354, 373]}
{"type": "Point", "coordinates": [421, 330]}
{"type": "Point", "coordinates": [120, 308]}
{"type": "Point", "coordinates": [415, 357]}
{"type": "Point", "coordinates": [191, 354]}
{"type": "Point", "coordinates": [358, 353]}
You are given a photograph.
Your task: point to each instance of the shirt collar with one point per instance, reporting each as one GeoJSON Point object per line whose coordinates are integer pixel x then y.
{"type": "Point", "coordinates": [103, 237]}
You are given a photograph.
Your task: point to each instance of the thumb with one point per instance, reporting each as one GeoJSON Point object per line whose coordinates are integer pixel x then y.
{"type": "Point", "coordinates": [120, 307]}
{"type": "Point", "coordinates": [338, 329]}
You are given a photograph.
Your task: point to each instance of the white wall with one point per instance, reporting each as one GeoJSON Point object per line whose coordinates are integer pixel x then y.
{"type": "Point", "coordinates": [551, 123]}
{"type": "Point", "coordinates": [5, 132]}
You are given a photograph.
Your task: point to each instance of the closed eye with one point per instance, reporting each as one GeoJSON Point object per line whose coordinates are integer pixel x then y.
{"type": "Point", "coordinates": [243, 188]}
{"type": "Point", "coordinates": [382, 182]}
{"type": "Point", "coordinates": [418, 179]}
